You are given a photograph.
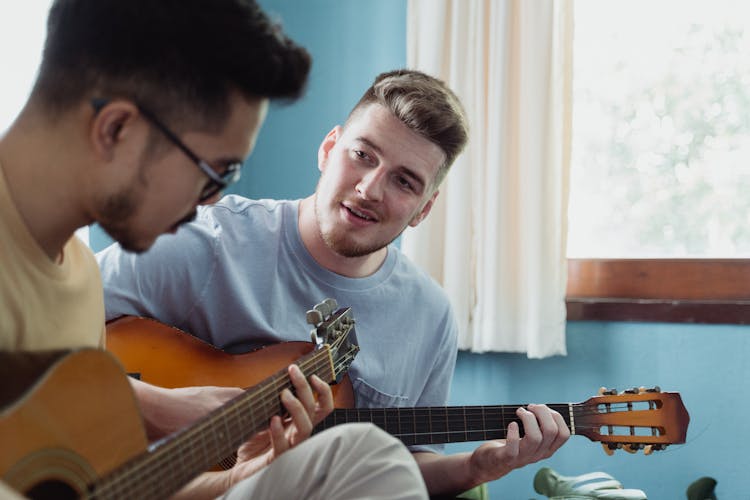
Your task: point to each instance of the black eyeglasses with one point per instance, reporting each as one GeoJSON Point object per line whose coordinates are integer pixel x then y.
{"type": "Point", "coordinates": [216, 182]}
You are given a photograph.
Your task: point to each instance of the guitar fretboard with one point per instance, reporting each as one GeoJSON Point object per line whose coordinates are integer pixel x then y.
{"type": "Point", "coordinates": [172, 462]}
{"type": "Point", "coordinates": [433, 425]}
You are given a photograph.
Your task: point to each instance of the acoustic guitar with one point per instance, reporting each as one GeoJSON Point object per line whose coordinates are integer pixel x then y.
{"type": "Point", "coordinates": [70, 426]}
{"type": "Point", "coordinates": [635, 419]}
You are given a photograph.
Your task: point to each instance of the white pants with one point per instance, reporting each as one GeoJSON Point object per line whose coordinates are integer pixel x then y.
{"type": "Point", "coordinates": [344, 462]}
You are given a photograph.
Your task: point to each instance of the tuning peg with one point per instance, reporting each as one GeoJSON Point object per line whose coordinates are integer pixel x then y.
{"type": "Point", "coordinates": [314, 317]}
{"type": "Point", "coordinates": [603, 391]}
{"type": "Point", "coordinates": [331, 303]}
{"type": "Point", "coordinates": [609, 449]}
{"type": "Point", "coordinates": [325, 308]}
{"type": "Point", "coordinates": [656, 388]}
{"type": "Point", "coordinates": [631, 448]}
{"type": "Point", "coordinates": [633, 390]}
{"type": "Point", "coordinates": [648, 449]}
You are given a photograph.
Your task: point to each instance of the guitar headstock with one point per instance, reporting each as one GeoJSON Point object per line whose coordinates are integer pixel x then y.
{"type": "Point", "coordinates": [334, 328]}
{"type": "Point", "coordinates": [634, 419]}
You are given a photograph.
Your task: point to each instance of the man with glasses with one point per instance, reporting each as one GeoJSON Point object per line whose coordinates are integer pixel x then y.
{"type": "Point", "coordinates": [130, 97]}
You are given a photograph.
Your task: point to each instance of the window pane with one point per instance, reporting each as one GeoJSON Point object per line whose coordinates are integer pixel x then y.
{"type": "Point", "coordinates": [22, 31]}
{"type": "Point", "coordinates": [661, 130]}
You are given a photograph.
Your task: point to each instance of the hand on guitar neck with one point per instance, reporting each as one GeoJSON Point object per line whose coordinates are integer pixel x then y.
{"type": "Point", "coordinates": [167, 410]}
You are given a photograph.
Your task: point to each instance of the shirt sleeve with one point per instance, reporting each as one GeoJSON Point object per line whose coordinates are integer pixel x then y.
{"type": "Point", "coordinates": [163, 283]}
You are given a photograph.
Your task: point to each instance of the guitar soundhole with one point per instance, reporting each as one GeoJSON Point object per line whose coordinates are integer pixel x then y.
{"type": "Point", "coordinates": [52, 490]}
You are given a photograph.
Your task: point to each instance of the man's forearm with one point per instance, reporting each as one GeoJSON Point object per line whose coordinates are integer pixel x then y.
{"type": "Point", "coordinates": [150, 399]}
{"type": "Point", "coordinates": [445, 474]}
{"type": "Point", "coordinates": [206, 486]}
{"type": "Point", "coordinates": [165, 411]}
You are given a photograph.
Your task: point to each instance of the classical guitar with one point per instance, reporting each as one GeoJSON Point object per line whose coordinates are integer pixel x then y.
{"type": "Point", "coordinates": [70, 426]}
{"type": "Point", "coordinates": [647, 419]}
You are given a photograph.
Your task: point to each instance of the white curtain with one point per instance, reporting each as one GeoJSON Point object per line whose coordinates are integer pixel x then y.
{"type": "Point", "coordinates": [496, 237]}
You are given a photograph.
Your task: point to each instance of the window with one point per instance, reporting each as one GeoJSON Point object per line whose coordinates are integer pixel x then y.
{"type": "Point", "coordinates": [659, 216]}
{"type": "Point", "coordinates": [22, 32]}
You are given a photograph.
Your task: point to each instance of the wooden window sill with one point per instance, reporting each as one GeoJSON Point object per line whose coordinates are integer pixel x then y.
{"type": "Point", "coordinates": [655, 310]}
{"type": "Point", "coordinates": [659, 290]}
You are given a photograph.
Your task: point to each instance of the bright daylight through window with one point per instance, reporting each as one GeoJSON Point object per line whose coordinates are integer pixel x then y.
{"type": "Point", "coordinates": [661, 130]}
{"type": "Point", "coordinates": [22, 31]}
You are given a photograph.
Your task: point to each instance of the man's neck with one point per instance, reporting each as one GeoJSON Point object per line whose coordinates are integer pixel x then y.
{"type": "Point", "coordinates": [351, 267]}
{"type": "Point", "coordinates": [36, 161]}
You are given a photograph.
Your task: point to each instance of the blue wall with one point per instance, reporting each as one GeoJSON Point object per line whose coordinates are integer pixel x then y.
{"type": "Point", "coordinates": [353, 40]}
{"type": "Point", "coordinates": [706, 364]}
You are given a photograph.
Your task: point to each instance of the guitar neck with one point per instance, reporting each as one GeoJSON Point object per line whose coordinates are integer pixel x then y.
{"type": "Point", "coordinates": [433, 425]}
{"type": "Point", "coordinates": [172, 462]}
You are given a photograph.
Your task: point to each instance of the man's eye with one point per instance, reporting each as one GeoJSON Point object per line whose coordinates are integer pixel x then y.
{"type": "Point", "coordinates": [361, 154]}
{"type": "Point", "coordinates": [404, 183]}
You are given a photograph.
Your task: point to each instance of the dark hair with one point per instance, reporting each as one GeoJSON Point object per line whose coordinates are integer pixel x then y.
{"type": "Point", "coordinates": [426, 105]}
{"type": "Point", "coordinates": [179, 58]}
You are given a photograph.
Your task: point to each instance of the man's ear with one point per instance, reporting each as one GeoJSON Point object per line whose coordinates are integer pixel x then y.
{"type": "Point", "coordinates": [325, 147]}
{"type": "Point", "coordinates": [425, 210]}
{"type": "Point", "coordinates": [111, 126]}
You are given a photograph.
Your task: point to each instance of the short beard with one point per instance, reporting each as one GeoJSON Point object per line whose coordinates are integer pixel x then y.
{"type": "Point", "coordinates": [336, 241]}
{"type": "Point", "coordinates": [115, 217]}
{"type": "Point", "coordinates": [341, 247]}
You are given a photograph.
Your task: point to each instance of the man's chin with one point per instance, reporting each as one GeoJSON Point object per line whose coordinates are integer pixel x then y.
{"type": "Point", "coordinates": [132, 247]}
{"type": "Point", "coordinates": [129, 243]}
{"type": "Point", "coordinates": [350, 249]}
{"type": "Point", "coordinates": [139, 245]}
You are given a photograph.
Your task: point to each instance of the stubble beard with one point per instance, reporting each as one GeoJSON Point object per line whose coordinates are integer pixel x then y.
{"type": "Point", "coordinates": [116, 213]}
{"type": "Point", "coordinates": [337, 240]}
{"type": "Point", "coordinates": [118, 210]}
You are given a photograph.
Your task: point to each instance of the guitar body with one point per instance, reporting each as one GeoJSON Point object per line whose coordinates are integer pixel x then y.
{"type": "Point", "coordinates": [78, 421]}
{"type": "Point", "coordinates": [168, 357]}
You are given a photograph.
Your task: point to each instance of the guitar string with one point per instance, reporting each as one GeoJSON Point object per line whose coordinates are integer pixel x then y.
{"type": "Point", "coordinates": [148, 461]}
{"type": "Point", "coordinates": [465, 417]}
{"type": "Point", "coordinates": [270, 386]}
{"type": "Point", "coordinates": [454, 432]}
{"type": "Point", "coordinates": [200, 428]}
{"type": "Point", "coordinates": [478, 427]}
{"type": "Point", "coordinates": [581, 410]}
{"type": "Point", "coordinates": [274, 387]}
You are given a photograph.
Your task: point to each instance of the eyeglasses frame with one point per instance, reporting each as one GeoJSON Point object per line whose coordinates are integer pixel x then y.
{"type": "Point", "coordinates": [217, 182]}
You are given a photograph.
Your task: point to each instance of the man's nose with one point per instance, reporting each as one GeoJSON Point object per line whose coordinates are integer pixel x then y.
{"type": "Point", "coordinates": [371, 186]}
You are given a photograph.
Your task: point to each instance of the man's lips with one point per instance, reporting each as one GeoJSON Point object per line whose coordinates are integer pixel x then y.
{"type": "Point", "coordinates": [360, 213]}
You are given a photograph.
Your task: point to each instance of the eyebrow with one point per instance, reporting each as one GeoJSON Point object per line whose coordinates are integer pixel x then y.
{"type": "Point", "coordinates": [406, 170]}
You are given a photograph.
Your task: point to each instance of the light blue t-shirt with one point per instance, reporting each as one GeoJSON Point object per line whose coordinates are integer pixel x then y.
{"type": "Point", "coordinates": [240, 276]}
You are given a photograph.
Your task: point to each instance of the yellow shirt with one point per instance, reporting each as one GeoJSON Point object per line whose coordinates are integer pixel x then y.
{"type": "Point", "coordinates": [43, 304]}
